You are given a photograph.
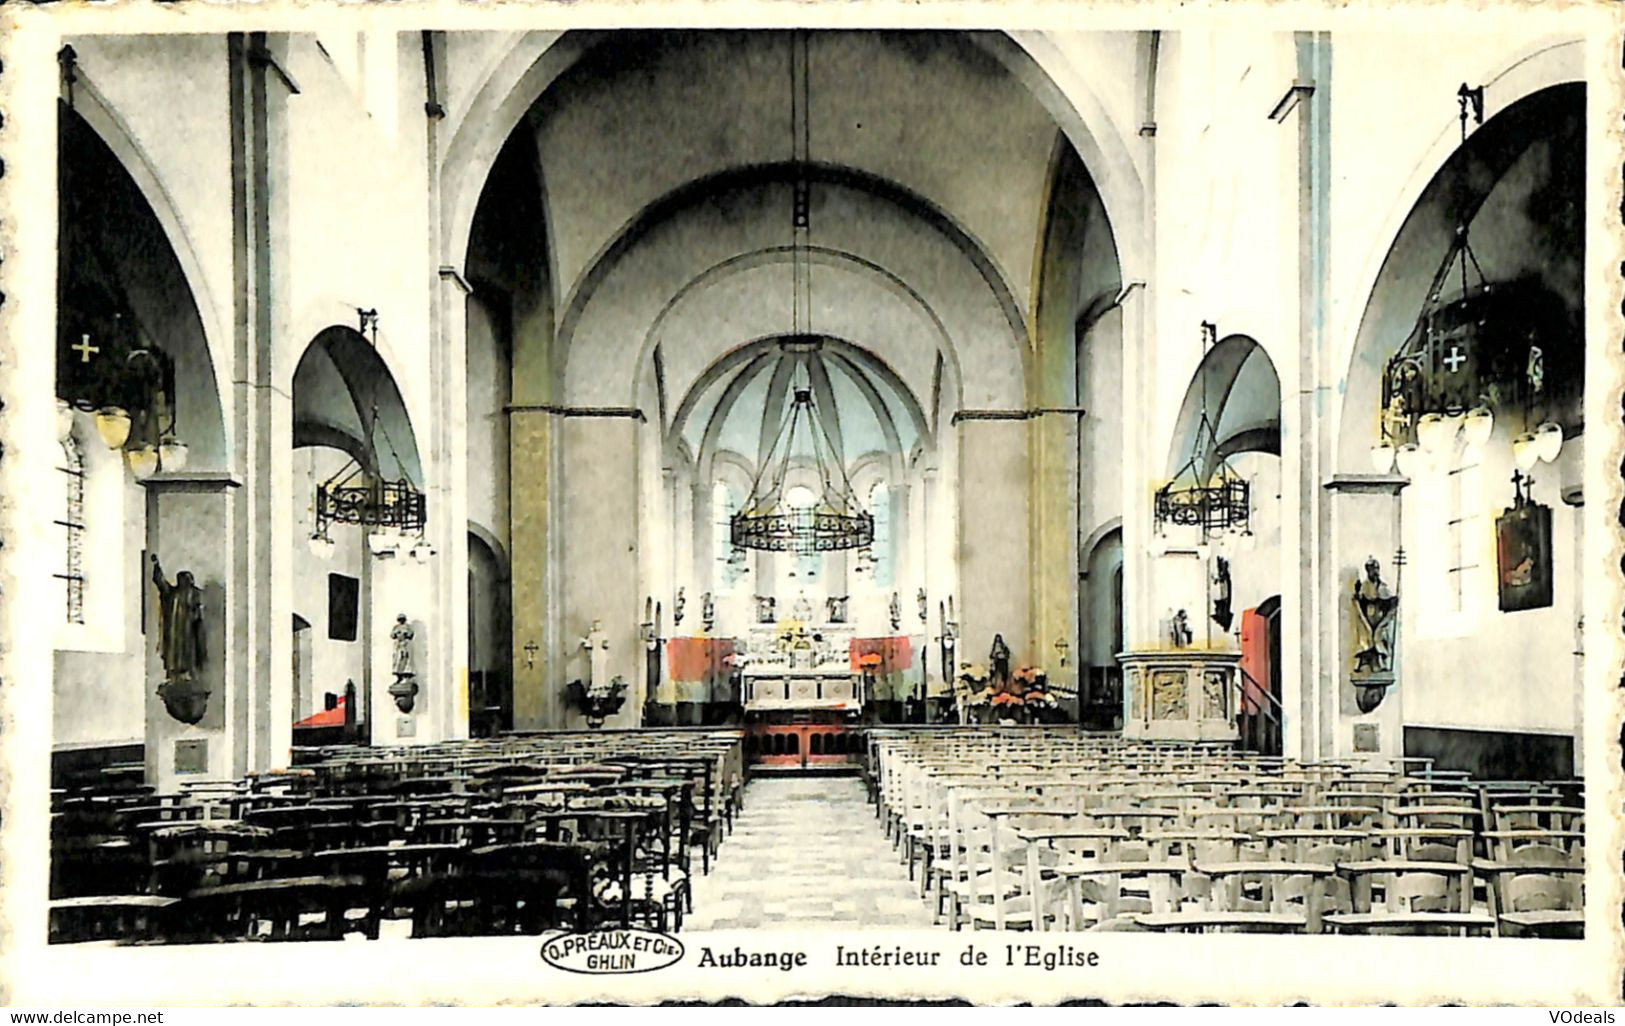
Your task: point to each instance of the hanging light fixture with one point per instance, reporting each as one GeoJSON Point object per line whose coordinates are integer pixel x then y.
{"type": "Point", "coordinates": [1206, 492]}
{"type": "Point", "coordinates": [835, 520]}
{"type": "Point", "coordinates": [1549, 441]}
{"type": "Point", "coordinates": [1481, 348]}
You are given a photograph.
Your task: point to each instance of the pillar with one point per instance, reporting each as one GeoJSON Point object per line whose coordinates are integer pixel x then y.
{"type": "Point", "coordinates": [1365, 515]}
{"type": "Point", "coordinates": [530, 440]}
{"type": "Point", "coordinates": [994, 552]}
{"type": "Point", "coordinates": [189, 524]}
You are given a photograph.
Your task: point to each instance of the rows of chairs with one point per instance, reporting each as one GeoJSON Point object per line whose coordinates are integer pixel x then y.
{"type": "Point", "coordinates": [1039, 829]}
{"type": "Point", "coordinates": [516, 835]}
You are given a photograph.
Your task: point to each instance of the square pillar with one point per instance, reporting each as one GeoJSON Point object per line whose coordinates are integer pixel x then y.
{"type": "Point", "coordinates": [994, 545]}
{"type": "Point", "coordinates": [1365, 518]}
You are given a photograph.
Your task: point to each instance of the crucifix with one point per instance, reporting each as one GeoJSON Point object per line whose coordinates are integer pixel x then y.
{"type": "Point", "coordinates": [531, 648]}
{"type": "Point", "coordinates": [84, 348]}
{"type": "Point", "coordinates": [1455, 359]}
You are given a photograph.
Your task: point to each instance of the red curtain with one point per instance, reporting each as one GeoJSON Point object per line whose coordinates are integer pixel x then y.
{"type": "Point", "coordinates": [700, 661]}
{"type": "Point", "coordinates": [1255, 660]}
{"type": "Point", "coordinates": [895, 653]}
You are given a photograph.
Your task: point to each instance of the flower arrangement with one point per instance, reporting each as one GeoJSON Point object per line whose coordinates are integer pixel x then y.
{"type": "Point", "coordinates": [869, 662]}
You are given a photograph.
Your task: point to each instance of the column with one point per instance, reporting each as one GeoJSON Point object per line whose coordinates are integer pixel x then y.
{"type": "Point", "coordinates": [994, 552]}
{"type": "Point", "coordinates": [1365, 515]}
{"type": "Point", "coordinates": [189, 524]}
{"type": "Point", "coordinates": [1054, 559]}
{"type": "Point", "coordinates": [530, 441]}
{"type": "Point", "coordinates": [259, 642]}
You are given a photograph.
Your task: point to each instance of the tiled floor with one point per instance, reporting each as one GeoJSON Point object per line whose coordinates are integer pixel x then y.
{"type": "Point", "coordinates": [806, 853]}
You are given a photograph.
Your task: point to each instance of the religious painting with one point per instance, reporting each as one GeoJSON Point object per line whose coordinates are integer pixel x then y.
{"type": "Point", "coordinates": [1168, 698]}
{"type": "Point", "coordinates": [1523, 556]}
{"type": "Point", "coordinates": [343, 607]}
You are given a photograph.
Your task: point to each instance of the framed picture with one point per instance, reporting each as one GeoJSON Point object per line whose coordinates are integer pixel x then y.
{"type": "Point", "coordinates": [1523, 557]}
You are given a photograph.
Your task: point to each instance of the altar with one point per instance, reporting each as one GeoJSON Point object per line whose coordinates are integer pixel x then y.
{"type": "Point", "coordinates": [801, 696]}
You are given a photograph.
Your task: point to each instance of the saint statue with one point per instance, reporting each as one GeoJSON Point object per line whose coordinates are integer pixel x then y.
{"type": "Point", "coordinates": [708, 611]}
{"type": "Point", "coordinates": [1222, 614]}
{"type": "Point", "coordinates": [597, 645]}
{"type": "Point", "coordinates": [998, 662]}
{"type": "Point", "coordinates": [896, 611]}
{"type": "Point", "coordinates": [402, 634]}
{"type": "Point", "coordinates": [180, 624]}
{"type": "Point", "coordinates": [1179, 630]}
{"type": "Point", "coordinates": [677, 608]}
{"type": "Point", "coordinates": [1375, 615]}
{"type": "Point", "coordinates": [802, 611]}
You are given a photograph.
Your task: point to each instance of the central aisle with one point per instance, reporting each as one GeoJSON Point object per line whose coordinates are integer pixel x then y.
{"type": "Point", "coordinates": [807, 853]}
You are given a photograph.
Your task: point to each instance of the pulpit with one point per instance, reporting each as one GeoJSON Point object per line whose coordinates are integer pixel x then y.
{"type": "Point", "coordinates": [1180, 694]}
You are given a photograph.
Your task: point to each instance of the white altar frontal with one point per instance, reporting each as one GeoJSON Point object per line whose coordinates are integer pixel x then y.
{"type": "Point", "coordinates": [1181, 694]}
{"type": "Point", "coordinates": [789, 667]}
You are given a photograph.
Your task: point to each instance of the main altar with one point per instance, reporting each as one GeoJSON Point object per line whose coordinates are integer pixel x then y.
{"type": "Point", "coordinates": [801, 693]}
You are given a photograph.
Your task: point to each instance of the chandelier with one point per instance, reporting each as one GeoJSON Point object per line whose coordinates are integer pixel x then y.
{"type": "Point", "coordinates": [392, 510]}
{"type": "Point", "coordinates": [834, 521]}
{"type": "Point", "coordinates": [1484, 348]}
{"type": "Point", "coordinates": [1206, 492]}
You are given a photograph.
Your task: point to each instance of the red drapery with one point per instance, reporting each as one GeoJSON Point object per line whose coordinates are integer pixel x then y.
{"type": "Point", "coordinates": [1255, 660]}
{"type": "Point", "coordinates": [700, 661]}
{"type": "Point", "coordinates": [333, 717]}
{"type": "Point", "coordinates": [895, 653]}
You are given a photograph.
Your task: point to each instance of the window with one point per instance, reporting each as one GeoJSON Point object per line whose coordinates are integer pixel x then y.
{"type": "Point", "coordinates": [1463, 531]}
{"type": "Point", "coordinates": [880, 509]}
{"type": "Point", "coordinates": [73, 525]}
{"type": "Point", "coordinates": [730, 564]}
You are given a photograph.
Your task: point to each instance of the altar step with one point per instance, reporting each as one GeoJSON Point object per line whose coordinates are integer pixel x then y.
{"type": "Point", "coordinates": [771, 770]}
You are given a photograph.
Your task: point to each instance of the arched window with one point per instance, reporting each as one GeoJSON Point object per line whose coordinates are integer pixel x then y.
{"type": "Point", "coordinates": [730, 565]}
{"type": "Point", "coordinates": [73, 526]}
{"type": "Point", "coordinates": [880, 509]}
{"type": "Point", "coordinates": [801, 499]}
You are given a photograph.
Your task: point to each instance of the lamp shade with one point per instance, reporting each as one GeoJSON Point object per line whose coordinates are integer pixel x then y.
{"type": "Point", "coordinates": [143, 462]}
{"type": "Point", "coordinates": [172, 454]}
{"type": "Point", "coordinates": [422, 551]}
{"type": "Point", "coordinates": [383, 544]}
{"type": "Point", "coordinates": [1525, 451]}
{"type": "Point", "coordinates": [1549, 441]}
{"type": "Point", "coordinates": [64, 420]}
{"type": "Point", "coordinates": [1382, 457]}
{"type": "Point", "coordinates": [322, 546]}
{"type": "Point", "coordinates": [1480, 422]}
{"type": "Point", "coordinates": [1408, 459]}
{"type": "Point", "coordinates": [113, 424]}
{"type": "Point", "coordinates": [1434, 432]}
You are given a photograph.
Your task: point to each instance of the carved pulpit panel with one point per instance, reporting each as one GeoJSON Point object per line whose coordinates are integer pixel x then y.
{"type": "Point", "coordinates": [1168, 699]}
{"type": "Point", "coordinates": [1214, 684]}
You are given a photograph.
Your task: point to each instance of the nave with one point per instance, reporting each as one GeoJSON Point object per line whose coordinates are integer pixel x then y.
{"type": "Point", "coordinates": [1008, 829]}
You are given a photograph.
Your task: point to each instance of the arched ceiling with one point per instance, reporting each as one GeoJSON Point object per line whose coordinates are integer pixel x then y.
{"type": "Point", "coordinates": [1242, 392]}
{"type": "Point", "coordinates": [344, 397]}
{"type": "Point", "coordinates": [739, 404]}
{"type": "Point", "coordinates": [644, 113]}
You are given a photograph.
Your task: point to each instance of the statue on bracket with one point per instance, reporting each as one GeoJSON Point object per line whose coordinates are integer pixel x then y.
{"type": "Point", "coordinates": [405, 687]}
{"type": "Point", "coordinates": [180, 645]}
{"type": "Point", "coordinates": [896, 611]}
{"type": "Point", "coordinates": [677, 607]}
{"type": "Point", "coordinates": [1222, 613]}
{"type": "Point", "coordinates": [1179, 629]}
{"type": "Point", "coordinates": [1376, 615]}
{"type": "Point", "coordinates": [708, 611]}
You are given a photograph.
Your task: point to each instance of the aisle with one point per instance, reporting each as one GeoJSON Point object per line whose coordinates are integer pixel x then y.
{"type": "Point", "coordinates": [807, 853]}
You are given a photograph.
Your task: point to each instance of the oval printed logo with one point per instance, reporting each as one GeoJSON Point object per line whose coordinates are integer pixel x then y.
{"type": "Point", "coordinates": [612, 951]}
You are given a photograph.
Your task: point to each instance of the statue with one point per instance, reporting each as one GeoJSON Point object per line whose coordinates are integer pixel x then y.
{"type": "Point", "coordinates": [708, 611]}
{"type": "Point", "coordinates": [1221, 594]}
{"type": "Point", "coordinates": [1179, 630]}
{"type": "Point", "coordinates": [1376, 614]}
{"type": "Point", "coordinates": [180, 644]}
{"type": "Point", "coordinates": [998, 661]}
{"type": "Point", "coordinates": [802, 611]}
{"type": "Point", "coordinates": [597, 645]}
{"type": "Point", "coordinates": [895, 608]}
{"type": "Point", "coordinates": [920, 604]}
{"type": "Point", "coordinates": [402, 634]}
{"type": "Point", "coordinates": [1374, 607]}
{"type": "Point", "coordinates": [404, 689]}
{"type": "Point", "coordinates": [677, 607]}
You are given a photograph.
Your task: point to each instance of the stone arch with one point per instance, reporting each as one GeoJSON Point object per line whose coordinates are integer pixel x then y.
{"type": "Point", "coordinates": [1243, 398]}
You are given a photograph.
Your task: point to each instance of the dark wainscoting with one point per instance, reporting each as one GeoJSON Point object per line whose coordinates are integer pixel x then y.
{"type": "Point", "coordinates": [1494, 754]}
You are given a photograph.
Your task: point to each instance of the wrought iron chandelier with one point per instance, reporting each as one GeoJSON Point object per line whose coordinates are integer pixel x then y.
{"type": "Point", "coordinates": [835, 520]}
{"type": "Point", "coordinates": [1206, 492]}
{"type": "Point", "coordinates": [1482, 350]}
{"type": "Point", "coordinates": [392, 510]}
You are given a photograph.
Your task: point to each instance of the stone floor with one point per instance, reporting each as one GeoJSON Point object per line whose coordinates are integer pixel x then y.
{"type": "Point", "coordinates": [806, 853]}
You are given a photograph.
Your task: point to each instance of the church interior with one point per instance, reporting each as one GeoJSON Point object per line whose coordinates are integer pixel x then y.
{"type": "Point", "coordinates": [501, 481]}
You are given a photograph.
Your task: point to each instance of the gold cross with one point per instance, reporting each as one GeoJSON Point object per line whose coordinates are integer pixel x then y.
{"type": "Point", "coordinates": [84, 349]}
